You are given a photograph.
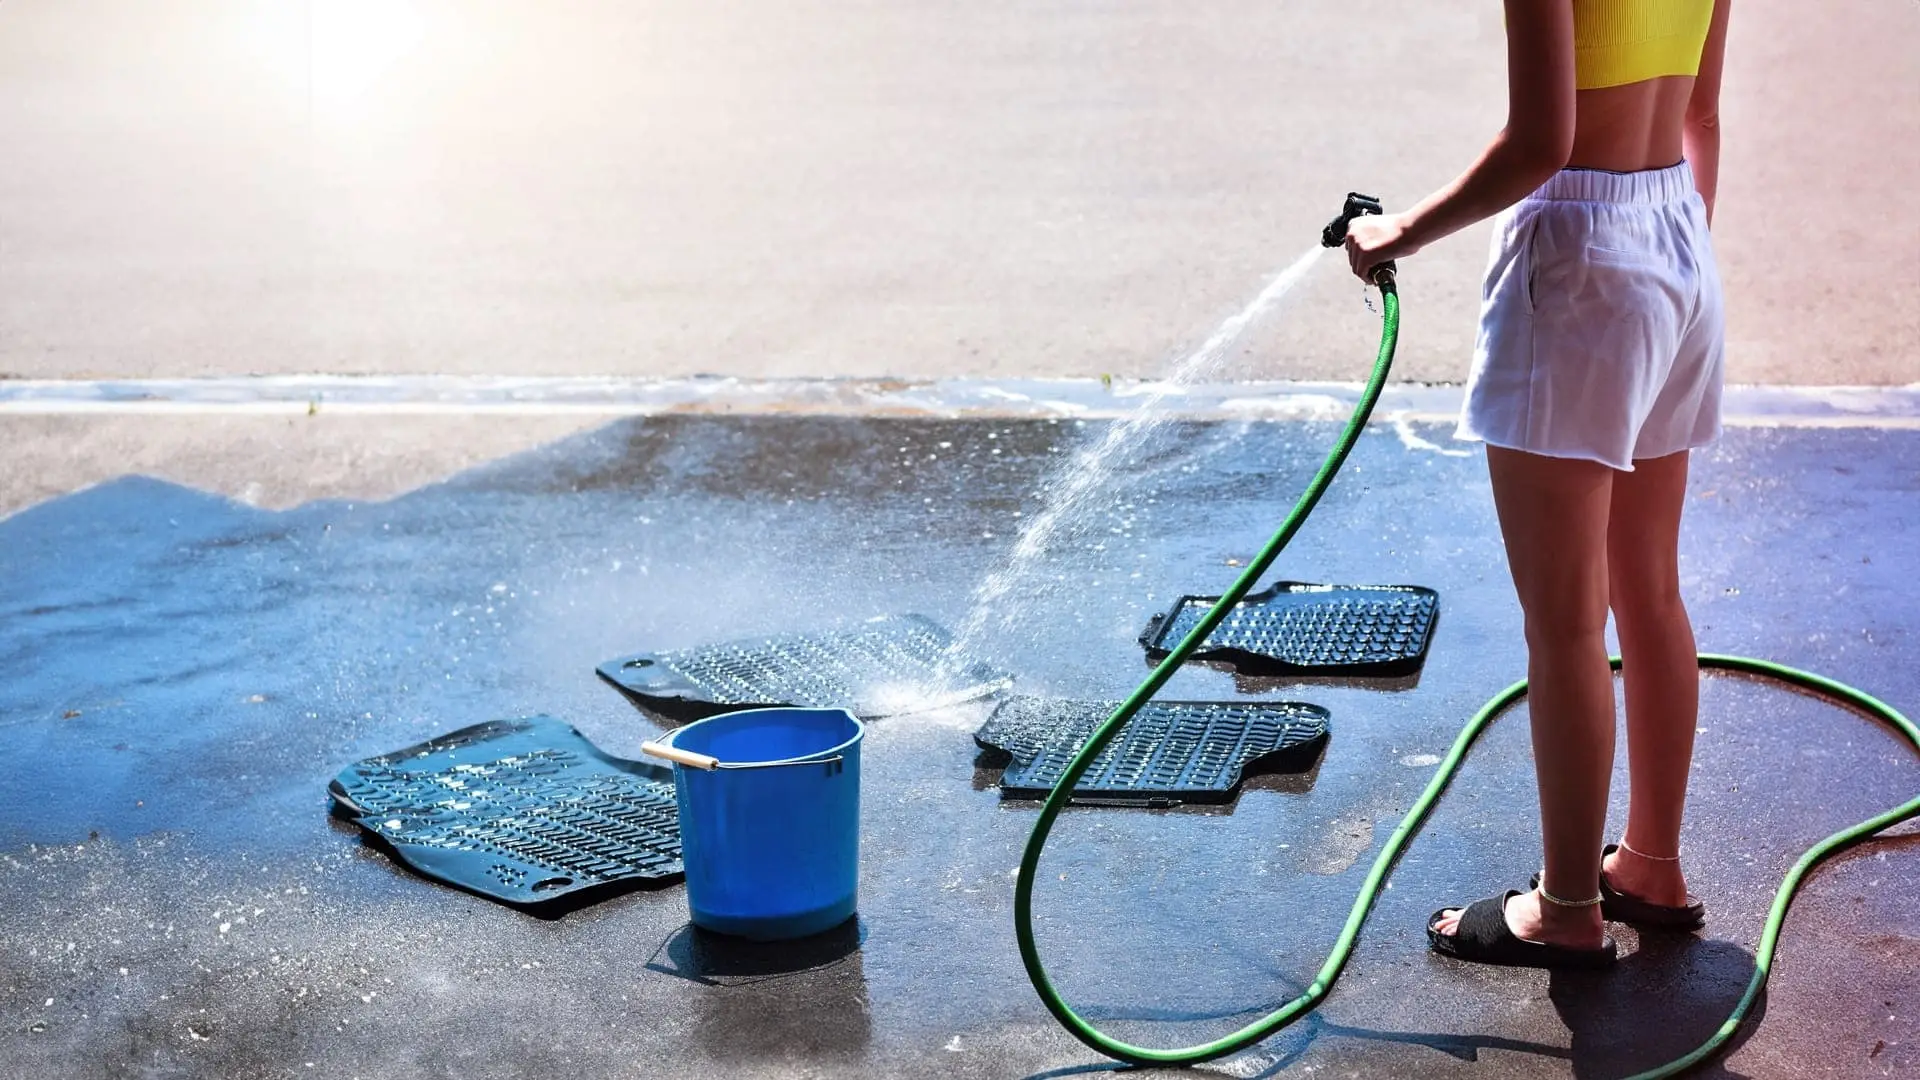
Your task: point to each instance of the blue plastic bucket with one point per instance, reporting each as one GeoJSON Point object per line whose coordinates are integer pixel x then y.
{"type": "Point", "coordinates": [770, 831]}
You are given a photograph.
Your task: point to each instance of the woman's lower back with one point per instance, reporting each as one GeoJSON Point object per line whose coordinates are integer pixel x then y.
{"type": "Point", "coordinates": [1633, 127]}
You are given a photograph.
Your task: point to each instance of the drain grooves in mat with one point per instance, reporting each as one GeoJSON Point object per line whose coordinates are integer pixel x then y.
{"type": "Point", "coordinates": [1170, 752]}
{"type": "Point", "coordinates": [522, 811]}
{"type": "Point", "coordinates": [883, 667]}
{"type": "Point", "coordinates": [1295, 628]}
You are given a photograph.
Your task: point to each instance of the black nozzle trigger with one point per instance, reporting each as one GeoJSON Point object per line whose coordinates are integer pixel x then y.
{"type": "Point", "coordinates": [1335, 233]}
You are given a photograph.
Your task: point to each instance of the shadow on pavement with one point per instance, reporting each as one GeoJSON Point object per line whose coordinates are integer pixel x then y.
{"type": "Point", "coordinates": [1661, 1001]}
{"type": "Point", "coordinates": [772, 1000]}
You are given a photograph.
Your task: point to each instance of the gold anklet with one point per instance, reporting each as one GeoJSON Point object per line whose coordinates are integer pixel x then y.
{"type": "Point", "coordinates": [1552, 899]}
{"type": "Point", "coordinates": [1644, 855]}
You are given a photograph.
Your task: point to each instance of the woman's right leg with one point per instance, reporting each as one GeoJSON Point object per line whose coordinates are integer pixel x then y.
{"type": "Point", "coordinates": [1662, 674]}
{"type": "Point", "coordinates": [1553, 519]}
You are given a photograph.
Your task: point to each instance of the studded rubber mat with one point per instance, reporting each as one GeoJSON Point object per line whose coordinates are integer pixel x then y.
{"type": "Point", "coordinates": [1295, 628]}
{"type": "Point", "coordinates": [883, 667]}
{"type": "Point", "coordinates": [522, 811]}
{"type": "Point", "coordinates": [1171, 752]}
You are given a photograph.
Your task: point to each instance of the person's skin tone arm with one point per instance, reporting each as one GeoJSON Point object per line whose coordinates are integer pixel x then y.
{"type": "Point", "coordinates": [1701, 136]}
{"type": "Point", "coordinates": [1535, 144]}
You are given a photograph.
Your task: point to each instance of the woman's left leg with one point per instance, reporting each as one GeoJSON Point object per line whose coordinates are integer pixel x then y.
{"type": "Point", "coordinates": [1553, 517]}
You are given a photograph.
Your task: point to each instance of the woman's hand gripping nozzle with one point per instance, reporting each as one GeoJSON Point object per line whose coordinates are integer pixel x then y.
{"type": "Point", "coordinates": [1335, 235]}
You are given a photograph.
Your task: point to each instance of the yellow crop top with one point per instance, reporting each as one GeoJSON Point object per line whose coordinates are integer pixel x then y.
{"type": "Point", "coordinates": [1616, 42]}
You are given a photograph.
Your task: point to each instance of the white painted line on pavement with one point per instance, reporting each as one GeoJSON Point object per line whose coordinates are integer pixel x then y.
{"type": "Point", "coordinates": [1400, 404]}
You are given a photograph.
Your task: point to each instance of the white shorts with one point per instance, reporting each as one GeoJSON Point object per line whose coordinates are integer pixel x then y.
{"type": "Point", "coordinates": [1601, 322]}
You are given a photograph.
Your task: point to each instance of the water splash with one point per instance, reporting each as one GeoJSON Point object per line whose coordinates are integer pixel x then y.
{"type": "Point", "coordinates": [1068, 496]}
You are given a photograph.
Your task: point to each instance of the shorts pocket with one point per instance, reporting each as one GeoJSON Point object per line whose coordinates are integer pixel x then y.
{"type": "Point", "coordinates": [1624, 257]}
{"type": "Point", "coordinates": [1526, 255]}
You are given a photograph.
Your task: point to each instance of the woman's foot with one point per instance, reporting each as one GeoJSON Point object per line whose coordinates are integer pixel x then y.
{"type": "Point", "coordinates": [1533, 918]}
{"type": "Point", "coordinates": [1656, 881]}
{"type": "Point", "coordinates": [1632, 900]}
{"type": "Point", "coordinates": [1488, 932]}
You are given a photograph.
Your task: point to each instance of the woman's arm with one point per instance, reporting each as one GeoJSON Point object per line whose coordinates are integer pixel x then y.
{"type": "Point", "coordinates": [1533, 146]}
{"type": "Point", "coordinates": [1701, 136]}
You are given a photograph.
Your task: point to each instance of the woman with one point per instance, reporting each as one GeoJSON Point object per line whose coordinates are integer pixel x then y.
{"type": "Point", "coordinates": [1597, 368]}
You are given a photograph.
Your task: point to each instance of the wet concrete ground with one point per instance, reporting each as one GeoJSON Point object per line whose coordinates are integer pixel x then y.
{"type": "Point", "coordinates": [187, 672]}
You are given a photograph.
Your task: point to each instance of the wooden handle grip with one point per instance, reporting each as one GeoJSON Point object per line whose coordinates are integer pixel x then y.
{"type": "Point", "coordinates": [684, 757]}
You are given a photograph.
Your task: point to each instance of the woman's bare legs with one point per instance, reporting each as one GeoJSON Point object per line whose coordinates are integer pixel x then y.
{"type": "Point", "coordinates": [1662, 675]}
{"type": "Point", "coordinates": [1553, 517]}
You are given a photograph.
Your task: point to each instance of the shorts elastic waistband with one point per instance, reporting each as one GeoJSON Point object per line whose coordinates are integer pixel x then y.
{"type": "Point", "coordinates": [1652, 186]}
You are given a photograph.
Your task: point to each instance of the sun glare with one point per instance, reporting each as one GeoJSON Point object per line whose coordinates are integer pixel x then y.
{"type": "Point", "coordinates": [355, 43]}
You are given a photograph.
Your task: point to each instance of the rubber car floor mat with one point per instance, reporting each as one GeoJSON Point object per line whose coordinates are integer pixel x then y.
{"type": "Point", "coordinates": [522, 811]}
{"type": "Point", "coordinates": [1295, 628]}
{"type": "Point", "coordinates": [882, 667]}
{"type": "Point", "coordinates": [1170, 752]}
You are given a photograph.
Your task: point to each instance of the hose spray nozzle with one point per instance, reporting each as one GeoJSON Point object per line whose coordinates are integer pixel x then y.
{"type": "Point", "coordinates": [1335, 233]}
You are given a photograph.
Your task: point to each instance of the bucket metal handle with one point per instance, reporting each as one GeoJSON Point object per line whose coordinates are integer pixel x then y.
{"type": "Point", "coordinates": [683, 757]}
{"type": "Point", "coordinates": [709, 763]}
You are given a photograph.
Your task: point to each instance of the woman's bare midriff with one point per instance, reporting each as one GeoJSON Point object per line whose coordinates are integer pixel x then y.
{"type": "Point", "coordinates": [1633, 127]}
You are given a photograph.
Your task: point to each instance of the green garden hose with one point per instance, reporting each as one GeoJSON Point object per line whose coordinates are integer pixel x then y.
{"type": "Point", "coordinates": [1389, 854]}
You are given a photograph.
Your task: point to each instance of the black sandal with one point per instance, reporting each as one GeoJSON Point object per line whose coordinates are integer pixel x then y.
{"type": "Point", "coordinates": [1484, 938]}
{"type": "Point", "coordinates": [1617, 906]}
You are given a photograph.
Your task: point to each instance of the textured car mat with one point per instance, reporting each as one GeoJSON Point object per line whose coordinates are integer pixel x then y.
{"type": "Point", "coordinates": [881, 667]}
{"type": "Point", "coordinates": [522, 811]}
{"type": "Point", "coordinates": [1295, 628]}
{"type": "Point", "coordinates": [1170, 752]}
